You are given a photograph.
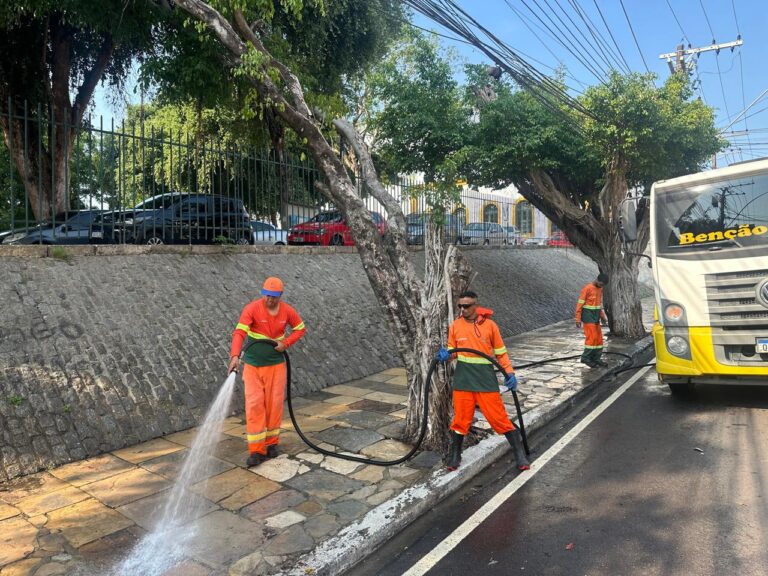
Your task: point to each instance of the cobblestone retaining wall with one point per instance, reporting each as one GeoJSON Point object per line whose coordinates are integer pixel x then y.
{"type": "Point", "coordinates": [102, 351]}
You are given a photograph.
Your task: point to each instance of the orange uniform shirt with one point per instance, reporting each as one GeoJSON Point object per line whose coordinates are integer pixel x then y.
{"type": "Point", "coordinates": [473, 372]}
{"type": "Point", "coordinates": [258, 324]}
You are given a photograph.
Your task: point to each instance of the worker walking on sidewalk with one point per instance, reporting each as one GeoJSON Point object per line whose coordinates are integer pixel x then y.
{"type": "Point", "coordinates": [264, 374]}
{"type": "Point", "coordinates": [474, 381]}
{"type": "Point", "coordinates": [590, 314]}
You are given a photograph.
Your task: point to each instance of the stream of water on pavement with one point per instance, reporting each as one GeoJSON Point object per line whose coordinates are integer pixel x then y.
{"type": "Point", "coordinates": [168, 543]}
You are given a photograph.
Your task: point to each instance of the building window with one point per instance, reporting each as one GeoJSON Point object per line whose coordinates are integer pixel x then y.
{"type": "Point", "coordinates": [460, 216]}
{"type": "Point", "coordinates": [524, 217]}
{"type": "Point", "coordinates": [491, 213]}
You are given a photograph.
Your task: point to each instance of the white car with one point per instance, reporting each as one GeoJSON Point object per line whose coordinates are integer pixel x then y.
{"type": "Point", "coordinates": [265, 234]}
{"type": "Point", "coordinates": [535, 242]}
{"type": "Point", "coordinates": [483, 233]}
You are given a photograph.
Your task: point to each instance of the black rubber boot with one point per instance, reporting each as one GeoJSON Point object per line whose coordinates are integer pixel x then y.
{"type": "Point", "coordinates": [455, 458]}
{"type": "Point", "coordinates": [516, 442]}
{"type": "Point", "coordinates": [272, 451]}
{"type": "Point", "coordinates": [255, 459]}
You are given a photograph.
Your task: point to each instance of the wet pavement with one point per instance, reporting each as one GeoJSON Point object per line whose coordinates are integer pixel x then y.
{"type": "Point", "coordinates": [300, 513]}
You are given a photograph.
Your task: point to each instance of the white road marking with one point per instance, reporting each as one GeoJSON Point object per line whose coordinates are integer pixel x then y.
{"type": "Point", "coordinates": [428, 561]}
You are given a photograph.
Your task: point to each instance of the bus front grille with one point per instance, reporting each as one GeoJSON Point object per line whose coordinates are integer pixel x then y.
{"type": "Point", "coordinates": [737, 317]}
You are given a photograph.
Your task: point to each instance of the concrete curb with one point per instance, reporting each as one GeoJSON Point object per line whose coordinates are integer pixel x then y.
{"type": "Point", "coordinates": [355, 542]}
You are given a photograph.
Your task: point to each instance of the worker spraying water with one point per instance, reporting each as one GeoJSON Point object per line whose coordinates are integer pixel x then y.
{"type": "Point", "coordinates": [263, 322]}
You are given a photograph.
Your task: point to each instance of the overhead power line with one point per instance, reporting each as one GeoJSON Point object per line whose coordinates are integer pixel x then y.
{"type": "Point", "coordinates": [610, 33]}
{"type": "Point", "coordinates": [602, 44]}
{"type": "Point", "coordinates": [717, 60]}
{"type": "Point", "coordinates": [637, 44]}
{"type": "Point", "coordinates": [559, 37]}
{"type": "Point", "coordinates": [549, 93]}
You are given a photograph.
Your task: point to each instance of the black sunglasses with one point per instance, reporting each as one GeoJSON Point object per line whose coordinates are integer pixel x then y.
{"type": "Point", "coordinates": [467, 305]}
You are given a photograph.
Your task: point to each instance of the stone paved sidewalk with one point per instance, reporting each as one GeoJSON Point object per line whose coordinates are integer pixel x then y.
{"type": "Point", "coordinates": [286, 514]}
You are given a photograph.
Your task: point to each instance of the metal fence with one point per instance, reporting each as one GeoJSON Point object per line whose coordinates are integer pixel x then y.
{"type": "Point", "coordinates": [64, 184]}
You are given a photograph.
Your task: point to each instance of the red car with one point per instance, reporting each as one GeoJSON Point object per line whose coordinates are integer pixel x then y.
{"type": "Point", "coordinates": [328, 229]}
{"type": "Point", "coordinates": [559, 239]}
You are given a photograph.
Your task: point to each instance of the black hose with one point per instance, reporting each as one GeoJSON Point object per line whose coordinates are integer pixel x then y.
{"type": "Point", "coordinates": [427, 385]}
{"type": "Point", "coordinates": [424, 423]}
{"type": "Point", "coordinates": [562, 358]}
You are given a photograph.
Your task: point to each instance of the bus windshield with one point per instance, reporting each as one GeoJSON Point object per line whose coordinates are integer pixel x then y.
{"type": "Point", "coordinates": [722, 215]}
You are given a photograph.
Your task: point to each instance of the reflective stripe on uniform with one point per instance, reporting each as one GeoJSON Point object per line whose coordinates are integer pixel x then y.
{"type": "Point", "coordinates": [500, 351]}
{"type": "Point", "coordinates": [275, 432]}
{"type": "Point", "coordinates": [592, 307]}
{"type": "Point", "coordinates": [593, 347]}
{"type": "Point", "coordinates": [256, 437]}
{"type": "Point", "coordinates": [473, 359]}
{"type": "Point", "coordinates": [299, 327]}
{"type": "Point", "coordinates": [256, 335]}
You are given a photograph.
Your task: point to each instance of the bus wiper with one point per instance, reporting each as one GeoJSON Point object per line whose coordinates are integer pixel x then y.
{"type": "Point", "coordinates": [711, 247]}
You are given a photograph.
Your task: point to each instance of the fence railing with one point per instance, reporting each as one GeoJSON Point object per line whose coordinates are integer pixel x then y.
{"type": "Point", "coordinates": [86, 184]}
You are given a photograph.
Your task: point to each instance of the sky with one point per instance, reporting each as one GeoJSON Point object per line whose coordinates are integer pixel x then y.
{"type": "Point", "coordinates": [659, 26]}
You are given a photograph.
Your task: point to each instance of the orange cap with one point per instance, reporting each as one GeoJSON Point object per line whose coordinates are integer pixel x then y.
{"type": "Point", "coordinates": [273, 286]}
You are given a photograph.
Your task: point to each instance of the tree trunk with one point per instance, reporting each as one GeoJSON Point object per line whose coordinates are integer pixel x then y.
{"type": "Point", "coordinates": [46, 179]}
{"type": "Point", "coordinates": [284, 175]}
{"type": "Point", "coordinates": [418, 319]}
{"type": "Point", "coordinates": [620, 295]}
{"type": "Point", "coordinates": [446, 273]}
{"type": "Point", "coordinates": [600, 239]}
{"type": "Point", "coordinates": [41, 137]}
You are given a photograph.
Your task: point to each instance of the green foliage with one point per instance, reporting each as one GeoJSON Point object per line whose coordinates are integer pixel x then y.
{"type": "Point", "coordinates": [15, 400]}
{"type": "Point", "coordinates": [417, 110]}
{"type": "Point", "coordinates": [223, 240]}
{"type": "Point", "coordinates": [60, 253]}
{"type": "Point", "coordinates": [91, 172]}
{"type": "Point", "coordinates": [325, 42]}
{"type": "Point", "coordinates": [35, 28]}
{"type": "Point", "coordinates": [417, 117]}
{"type": "Point", "coordinates": [655, 133]}
{"type": "Point", "coordinates": [647, 132]}
{"type": "Point", "coordinates": [185, 148]}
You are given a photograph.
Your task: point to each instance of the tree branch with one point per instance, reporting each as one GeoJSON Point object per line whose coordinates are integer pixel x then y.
{"type": "Point", "coordinates": [92, 78]}
{"type": "Point", "coordinates": [399, 254]}
{"type": "Point", "coordinates": [61, 66]}
{"type": "Point", "coordinates": [290, 79]}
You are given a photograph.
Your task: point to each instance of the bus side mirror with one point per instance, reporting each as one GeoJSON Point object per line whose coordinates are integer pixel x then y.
{"type": "Point", "coordinates": [628, 220]}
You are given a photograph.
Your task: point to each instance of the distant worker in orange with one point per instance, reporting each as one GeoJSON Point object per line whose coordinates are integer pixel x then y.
{"type": "Point", "coordinates": [264, 374]}
{"type": "Point", "coordinates": [590, 314]}
{"type": "Point", "coordinates": [474, 381]}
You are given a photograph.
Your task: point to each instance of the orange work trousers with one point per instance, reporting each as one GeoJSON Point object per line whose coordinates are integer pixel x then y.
{"type": "Point", "coordinates": [491, 406]}
{"type": "Point", "coordinates": [264, 394]}
{"type": "Point", "coordinates": [593, 342]}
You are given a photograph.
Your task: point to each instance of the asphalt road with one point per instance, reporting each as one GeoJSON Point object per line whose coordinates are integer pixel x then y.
{"type": "Point", "coordinates": [654, 485]}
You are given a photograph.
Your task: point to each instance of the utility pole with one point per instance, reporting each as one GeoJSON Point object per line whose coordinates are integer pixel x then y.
{"type": "Point", "coordinates": [677, 61]}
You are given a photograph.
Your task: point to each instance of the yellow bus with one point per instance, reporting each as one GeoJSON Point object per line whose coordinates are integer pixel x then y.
{"type": "Point", "coordinates": [709, 252]}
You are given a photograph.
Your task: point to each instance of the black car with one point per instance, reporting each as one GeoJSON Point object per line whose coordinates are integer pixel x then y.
{"type": "Point", "coordinates": [181, 218]}
{"type": "Point", "coordinates": [78, 227]}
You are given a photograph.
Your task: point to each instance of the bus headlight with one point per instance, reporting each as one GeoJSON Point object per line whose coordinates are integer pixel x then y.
{"type": "Point", "coordinates": [678, 346]}
{"type": "Point", "coordinates": [674, 312]}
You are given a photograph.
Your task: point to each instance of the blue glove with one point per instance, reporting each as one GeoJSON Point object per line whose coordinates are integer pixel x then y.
{"type": "Point", "coordinates": [443, 355]}
{"type": "Point", "coordinates": [511, 382]}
